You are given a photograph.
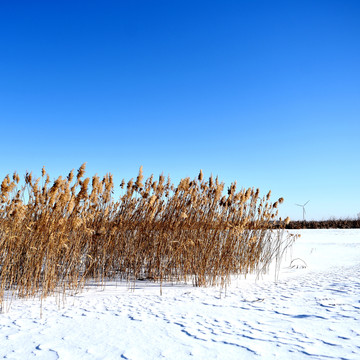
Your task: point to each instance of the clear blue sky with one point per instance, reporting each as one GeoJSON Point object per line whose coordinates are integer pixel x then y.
{"type": "Point", "coordinates": [266, 93]}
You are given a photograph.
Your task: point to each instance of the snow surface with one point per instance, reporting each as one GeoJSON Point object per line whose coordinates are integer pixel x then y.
{"type": "Point", "coordinates": [311, 312]}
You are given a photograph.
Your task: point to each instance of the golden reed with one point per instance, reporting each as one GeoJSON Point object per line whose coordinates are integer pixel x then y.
{"type": "Point", "coordinates": [61, 235]}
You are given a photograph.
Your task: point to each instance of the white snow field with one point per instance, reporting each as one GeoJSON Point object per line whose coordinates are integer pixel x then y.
{"type": "Point", "coordinates": [311, 312]}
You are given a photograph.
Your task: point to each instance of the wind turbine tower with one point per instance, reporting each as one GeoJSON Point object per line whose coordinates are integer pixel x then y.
{"type": "Point", "coordinates": [303, 206]}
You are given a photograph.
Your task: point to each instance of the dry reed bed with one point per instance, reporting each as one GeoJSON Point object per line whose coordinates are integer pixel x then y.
{"type": "Point", "coordinates": [62, 234]}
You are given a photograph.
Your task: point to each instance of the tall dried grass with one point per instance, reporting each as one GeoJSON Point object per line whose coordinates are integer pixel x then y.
{"type": "Point", "coordinates": [58, 235]}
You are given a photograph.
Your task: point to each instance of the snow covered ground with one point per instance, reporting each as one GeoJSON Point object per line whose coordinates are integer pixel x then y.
{"type": "Point", "coordinates": [311, 312]}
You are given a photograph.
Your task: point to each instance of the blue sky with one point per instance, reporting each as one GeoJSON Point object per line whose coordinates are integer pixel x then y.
{"type": "Point", "coordinates": [266, 93]}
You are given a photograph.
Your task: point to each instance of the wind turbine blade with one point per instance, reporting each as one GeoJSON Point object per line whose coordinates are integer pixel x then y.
{"type": "Point", "coordinates": [298, 205]}
{"type": "Point", "coordinates": [306, 202]}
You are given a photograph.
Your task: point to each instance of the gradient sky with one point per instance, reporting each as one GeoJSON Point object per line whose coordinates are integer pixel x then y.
{"type": "Point", "coordinates": [266, 93]}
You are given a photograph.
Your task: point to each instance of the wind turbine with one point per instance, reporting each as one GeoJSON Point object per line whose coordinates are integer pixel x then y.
{"type": "Point", "coordinates": [303, 206]}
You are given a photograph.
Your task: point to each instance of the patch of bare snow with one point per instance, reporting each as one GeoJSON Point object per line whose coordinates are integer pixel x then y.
{"type": "Point", "coordinates": [311, 312]}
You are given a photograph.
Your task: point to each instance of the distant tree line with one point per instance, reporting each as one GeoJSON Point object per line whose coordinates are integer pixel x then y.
{"type": "Point", "coordinates": [325, 224]}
